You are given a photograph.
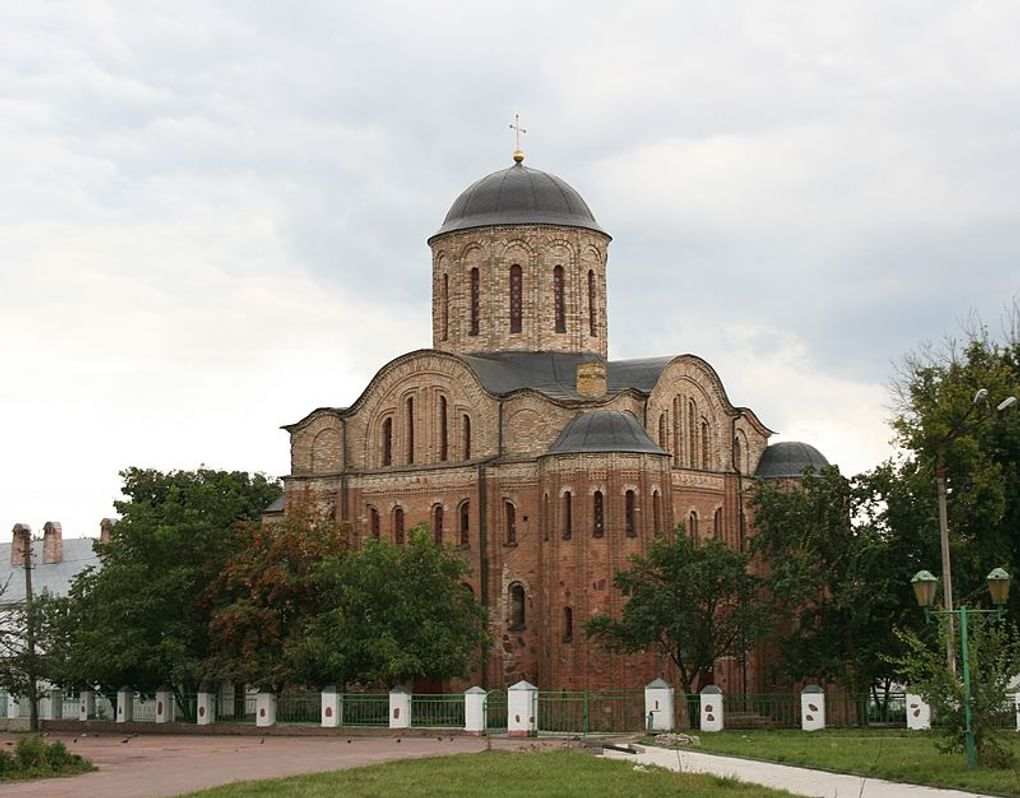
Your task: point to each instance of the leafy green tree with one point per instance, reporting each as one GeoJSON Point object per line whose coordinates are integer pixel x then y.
{"type": "Point", "coordinates": [691, 601]}
{"type": "Point", "coordinates": [267, 592]}
{"type": "Point", "coordinates": [143, 618]}
{"type": "Point", "coordinates": [392, 614]}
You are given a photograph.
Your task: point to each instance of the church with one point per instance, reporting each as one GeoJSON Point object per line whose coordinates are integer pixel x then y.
{"type": "Point", "coordinates": [521, 444]}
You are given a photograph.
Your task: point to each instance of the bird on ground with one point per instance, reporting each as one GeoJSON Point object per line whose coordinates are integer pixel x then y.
{"type": "Point", "coordinates": [74, 739]}
{"type": "Point", "coordinates": [262, 741]}
{"type": "Point", "coordinates": [398, 739]}
{"type": "Point", "coordinates": [126, 740]}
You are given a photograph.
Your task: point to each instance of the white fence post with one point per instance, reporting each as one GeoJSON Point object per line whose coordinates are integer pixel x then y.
{"type": "Point", "coordinates": [265, 709]}
{"type": "Point", "coordinates": [400, 708]}
{"type": "Point", "coordinates": [659, 706]}
{"type": "Point", "coordinates": [125, 705]}
{"type": "Point", "coordinates": [522, 710]}
{"type": "Point", "coordinates": [164, 705]}
{"type": "Point", "coordinates": [56, 704]}
{"type": "Point", "coordinates": [331, 699]}
{"type": "Point", "coordinates": [86, 704]}
{"type": "Point", "coordinates": [812, 708]}
{"type": "Point", "coordinates": [13, 706]}
{"type": "Point", "coordinates": [474, 711]}
{"type": "Point", "coordinates": [919, 713]}
{"type": "Point", "coordinates": [712, 709]}
{"type": "Point", "coordinates": [205, 706]}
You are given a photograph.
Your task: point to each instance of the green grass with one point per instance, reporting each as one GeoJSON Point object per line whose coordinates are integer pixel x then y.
{"type": "Point", "coordinates": [547, 774]}
{"type": "Point", "coordinates": [33, 758]}
{"type": "Point", "coordinates": [897, 755]}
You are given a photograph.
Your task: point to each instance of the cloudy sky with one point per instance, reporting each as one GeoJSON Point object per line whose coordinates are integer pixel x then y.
{"type": "Point", "coordinates": [213, 215]}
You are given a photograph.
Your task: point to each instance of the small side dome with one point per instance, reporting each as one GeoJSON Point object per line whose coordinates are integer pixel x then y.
{"type": "Point", "coordinates": [605, 431]}
{"type": "Point", "coordinates": [518, 195]}
{"type": "Point", "coordinates": [788, 459]}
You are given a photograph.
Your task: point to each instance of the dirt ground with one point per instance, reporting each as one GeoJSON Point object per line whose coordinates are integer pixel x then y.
{"type": "Point", "coordinates": [148, 766]}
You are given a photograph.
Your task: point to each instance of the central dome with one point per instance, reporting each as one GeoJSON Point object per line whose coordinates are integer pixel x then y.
{"type": "Point", "coordinates": [518, 195]}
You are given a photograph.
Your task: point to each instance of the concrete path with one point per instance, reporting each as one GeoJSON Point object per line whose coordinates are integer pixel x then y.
{"type": "Point", "coordinates": [154, 766]}
{"type": "Point", "coordinates": [800, 781]}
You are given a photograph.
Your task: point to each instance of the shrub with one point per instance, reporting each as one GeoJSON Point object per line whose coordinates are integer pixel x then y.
{"type": "Point", "coordinates": [31, 753]}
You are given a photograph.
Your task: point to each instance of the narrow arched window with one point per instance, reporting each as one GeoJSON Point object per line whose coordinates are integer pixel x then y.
{"type": "Point", "coordinates": [657, 511]}
{"type": "Point", "coordinates": [546, 518]}
{"type": "Point", "coordinates": [677, 431]}
{"type": "Point", "coordinates": [598, 515]}
{"type": "Point", "coordinates": [410, 429]}
{"type": "Point", "coordinates": [510, 518]}
{"type": "Point", "coordinates": [398, 525]}
{"type": "Point", "coordinates": [559, 300]}
{"type": "Point", "coordinates": [692, 435]}
{"type": "Point", "coordinates": [663, 440]}
{"type": "Point", "coordinates": [516, 298]}
{"type": "Point", "coordinates": [467, 436]}
{"type": "Point", "coordinates": [737, 454]}
{"type": "Point", "coordinates": [568, 515]}
{"type": "Point", "coordinates": [592, 324]}
{"type": "Point", "coordinates": [476, 301]}
{"type": "Point", "coordinates": [437, 524]}
{"type": "Point", "coordinates": [465, 524]}
{"type": "Point", "coordinates": [568, 624]}
{"type": "Point", "coordinates": [444, 434]}
{"type": "Point", "coordinates": [373, 522]}
{"type": "Point", "coordinates": [630, 511]}
{"type": "Point", "coordinates": [387, 441]}
{"type": "Point", "coordinates": [445, 321]}
{"type": "Point", "coordinates": [705, 457]}
{"type": "Point", "coordinates": [692, 524]}
{"type": "Point", "coordinates": [717, 521]}
{"type": "Point", "coordinates": [516, 596]}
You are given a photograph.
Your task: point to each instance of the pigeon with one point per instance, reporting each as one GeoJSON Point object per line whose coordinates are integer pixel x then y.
{"type": "Point", "coordinates": [126, 740]}
{"type": "Point", "coordinates": [348, 742]}
{"type": "Point", "coordinates": [440, 738]}
{"type": "Point", "coordinates": [398, 739]}
{"type": "Point", "coordinates": [74, 739]}
{"type": "Point", "coordinates": [262, 741]}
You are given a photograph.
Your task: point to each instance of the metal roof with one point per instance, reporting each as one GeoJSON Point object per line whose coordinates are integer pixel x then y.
{"type": "Point", "coordinates": [518, 195]}
{"type": "Point", "coordinates": [788, 459]}
{"type": "Point", "coordinates": [605, 431]}
{"type": "Point", "coordinates": [54, 578]}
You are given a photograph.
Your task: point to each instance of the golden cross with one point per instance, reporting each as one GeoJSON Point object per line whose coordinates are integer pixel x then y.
{"type": "Point", "coordinates": [515, 126]}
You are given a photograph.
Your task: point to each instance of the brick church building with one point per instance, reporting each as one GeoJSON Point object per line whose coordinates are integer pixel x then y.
{"type": "Point", "coordinates": [518, 442]}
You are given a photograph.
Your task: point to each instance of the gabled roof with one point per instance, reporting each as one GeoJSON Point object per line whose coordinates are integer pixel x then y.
{"type": "Point", "coordinates": [54, 578]}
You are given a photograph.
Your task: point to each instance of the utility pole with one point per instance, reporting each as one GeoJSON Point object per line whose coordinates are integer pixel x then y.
{"type": "Point", "coordinates": [33, 696]}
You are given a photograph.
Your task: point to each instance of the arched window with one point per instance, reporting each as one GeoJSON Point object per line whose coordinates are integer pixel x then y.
{"type": "Point", "coordinates": [476, 301]}
{"type": "Point", "coordinates": [465, 524]}
{"type": "Point", "coordinates": [657, 511]}
{"type": "Point", "coordinates": [692, 524]}
{"type": "Point", "coordinates": [692, 435]}
{"type": "Point", "coordinates": [510, 516]}
{"type": "Point", "coordinates": [663, 440]}
{"type": "Point", "coordinates": [387, 441]}
{"type": "Point", "coordinates": [546, 518]}
{"type": "Point", "coordinates": [437, 524]}
{"type": "Point", "coordinates": [467, 437]}
{"type": "Point", "coordinates": [592, 328]}
{"type": "Point", "coordinates": [516, 596]}
{"type": "Point", "coordinates": [516, 298]}
{"type": "Point", "coordinates": [737, 454]}
{"type": "Point", "coordinates": [677, 431]}
{"type": "Point", "coordinates": [559, 300]}
{"type": "Point", "coordinates": [630, 511]}
{"type": "Point", "coordinates": [717, 520]}
{"type": "Point", "coordinates": [398, 525]}
{"type": "Point", "coordinates": [598, 515]}
{"type": "Point", "coordinates": [445, 320]}
{"type": "Point", "coordinates": [568, 515]}
{"type": "Point", "coordinates": [373, 522]}
{"type": "Point", "coordinates": [705, 459]}
{"type": "Point", "coordinates": [568, 624]}
{"type": "Point", "coordinates": [444, 435]}
{"type": "Point", "coordinates": [410, 429]}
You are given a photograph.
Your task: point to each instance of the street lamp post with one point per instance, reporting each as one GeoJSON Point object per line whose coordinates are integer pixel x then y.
{"type": "Point", "coordinates": [980, 398]}
{"type": "Point", "coordinates": [924, 584]}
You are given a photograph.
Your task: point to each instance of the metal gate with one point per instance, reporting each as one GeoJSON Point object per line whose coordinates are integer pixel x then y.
{"type": "Point", "coordinates": [591, 711]}
{"type": "Point", "coordinates": [495, 711]}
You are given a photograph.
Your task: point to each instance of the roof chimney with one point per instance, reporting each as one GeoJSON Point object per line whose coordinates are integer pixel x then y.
{"type": "Point", "coordinates": [53, 543]}
{"type": "Point", "coordinates": [591, 379]}
{"type": "Point", "coordinates": [106, 529]}
{"type": "Point", "coordinates": [22, 533]}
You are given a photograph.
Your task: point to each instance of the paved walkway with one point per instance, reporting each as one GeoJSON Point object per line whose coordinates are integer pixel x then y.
{"type": "Point", "coordinates": [800, 781]}
{"type": "Point", "coordinates": [154, 766]}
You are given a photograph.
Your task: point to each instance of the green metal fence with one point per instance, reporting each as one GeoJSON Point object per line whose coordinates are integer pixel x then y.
{"type": "Point", "coordinates": [366, 709]}
{"type": "Point", "coordinates": [759, 710]}
{"type": "Point", "coordinates": [439, 710]}
{"type": "Point", "coordinates": [299, 708]}
{"type": "Point", "coordinates": [591, 711]}
{"type": "Point", "coordinates": [495, 710]}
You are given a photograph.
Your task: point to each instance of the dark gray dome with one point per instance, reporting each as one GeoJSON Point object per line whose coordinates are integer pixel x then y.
{"type": "Point", "coordinates": [789, 459]}
{"type": "Point", "coordinates": [518, 195]}
{"type": "Point", "coordinates": [604, 431]}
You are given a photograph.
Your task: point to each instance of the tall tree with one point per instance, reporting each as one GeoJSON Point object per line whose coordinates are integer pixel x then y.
{"type": "Point", "coordinates": [691, 601]}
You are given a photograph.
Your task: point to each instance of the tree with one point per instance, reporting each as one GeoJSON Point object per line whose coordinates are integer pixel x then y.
{"type": "Point", "coordinates": [267, 592]}
{"type": "Point", "coordinates": [392, 614]}
{"type": "Point", "coordinates": [691, 601]}
{"type": "Point", "coordinates": [141, 619]}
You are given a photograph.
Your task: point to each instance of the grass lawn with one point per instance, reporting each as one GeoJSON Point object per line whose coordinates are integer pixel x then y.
{"type": "Point", "coordinates": [546, 774]}
{"type": "Point", "coordinates": [897, 755]}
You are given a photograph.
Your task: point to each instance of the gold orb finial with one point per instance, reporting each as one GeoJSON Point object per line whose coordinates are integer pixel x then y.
{"type": "Point", "coordinates": [518, 156]}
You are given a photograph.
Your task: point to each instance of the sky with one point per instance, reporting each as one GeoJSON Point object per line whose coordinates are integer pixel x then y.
{"type": "Point", "coordinates": [213, 215]}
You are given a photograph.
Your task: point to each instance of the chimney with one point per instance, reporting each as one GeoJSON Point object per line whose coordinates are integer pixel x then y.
{"type": "Point", "coordinates": [22, 532]}
{"type": "Point", "coordinates": [53, 543]}
{"type": "Point", "coordinates": [591, 379]}
{"type": "Point", "coordinates": [106, 529]}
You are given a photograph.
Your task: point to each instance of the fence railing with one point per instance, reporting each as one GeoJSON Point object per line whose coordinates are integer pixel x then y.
{"type": "Point", "coordinates": [438, 710]}
{"type": "Point", "coordinates": [591, 711]}
{"type": "Point", "coordinates": [366, 709]}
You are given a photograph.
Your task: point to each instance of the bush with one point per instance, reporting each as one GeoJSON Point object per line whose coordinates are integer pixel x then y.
{"type": "Point", "coordinates": [7, 764]}
{"type": "Point", "coordinates": [31, 753]}
{"type": "Point", "coordinates": [33, 759]}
